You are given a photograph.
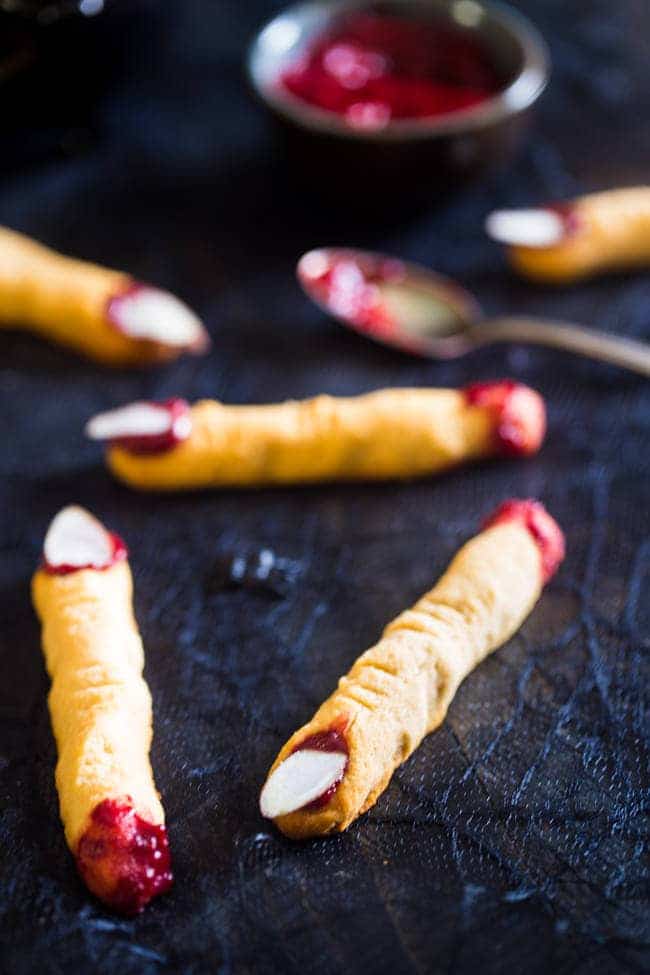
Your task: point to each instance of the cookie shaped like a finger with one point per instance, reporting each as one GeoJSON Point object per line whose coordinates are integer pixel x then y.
{"type": "Point", "coordinates": [100, 708]}
{"type": "Point", "coordinates": [337, 765]}
{"type": "Point", "coordinates": [566, 242]}
{"type": "Point", "coordinates": [102, 314]}
{"type": "Point", "coordinates": [391, 433]}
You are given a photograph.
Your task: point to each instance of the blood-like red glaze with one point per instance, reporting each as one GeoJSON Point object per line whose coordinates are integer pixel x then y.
{"type": "Point", "coordinates": [350, 288]}
{"type": "Point", "coordinates": [179, 429]}
{"type": "Point", "coordinates": [548, 535]}
{"type": "Point", "coordinates": [123, 859]}
{"type": "Point", "coordinates": [519, 414]}
{"type": "Point", "coordinates": [332, 740]}
{"type": "Point", "coordinates": [570, 220]}
{"type": "Point", "coordinates": [371, 69]}
{"type": "Point", "coordinates": [118, 554]}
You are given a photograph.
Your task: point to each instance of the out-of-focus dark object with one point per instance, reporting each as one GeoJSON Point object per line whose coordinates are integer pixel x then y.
{"type": "Point", "coordinates": [57, 57]}
{"type": "Point", "coordinates": [259, 569]}
{"type": "Point", "coordinates": [408, 160]}
{"type": "Point", "coordinates": [48, 11]}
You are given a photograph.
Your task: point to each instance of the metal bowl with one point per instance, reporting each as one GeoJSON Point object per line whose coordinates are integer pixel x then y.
{"type": "Point", "coordinates": [409, 160]}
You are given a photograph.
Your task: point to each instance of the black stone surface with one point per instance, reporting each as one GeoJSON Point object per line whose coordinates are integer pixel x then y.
{"type": "Point", "coordinates": [516, 837]}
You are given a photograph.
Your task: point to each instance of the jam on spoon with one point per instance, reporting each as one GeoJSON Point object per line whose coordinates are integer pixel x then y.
{"type": "Point", "coordinates": [413, 309]}
{"type": "Point", "coordinates": [377, 294]}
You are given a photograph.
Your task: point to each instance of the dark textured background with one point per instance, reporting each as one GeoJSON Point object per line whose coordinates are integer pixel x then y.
{"type": "Point", "coordinates": [516, 838]}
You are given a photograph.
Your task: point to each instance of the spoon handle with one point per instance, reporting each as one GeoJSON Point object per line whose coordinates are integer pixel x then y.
{"type": "Point", "coordinates": [628, 353]}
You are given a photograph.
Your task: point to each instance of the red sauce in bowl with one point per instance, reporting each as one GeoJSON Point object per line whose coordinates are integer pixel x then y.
{"type": "Point", "coordinates": [372, 69]}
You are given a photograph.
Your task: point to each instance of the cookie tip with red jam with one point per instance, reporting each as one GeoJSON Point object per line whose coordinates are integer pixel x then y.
{"type": "Point", "coordinates": [77, 540]}
{"type": "Point", "coordinates": [519, 415]}
{"type": "Point", "coordinates": [143, 427]}
{"type": "Point", "coordinates": [123, 858]}
{"type": "Point", "coordinates": [544, 529]}
{"type": "Point", "coordinates": [310, 774]}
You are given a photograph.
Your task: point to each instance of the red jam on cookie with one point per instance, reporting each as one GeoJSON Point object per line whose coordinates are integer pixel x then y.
{"type": "Point", "coordinates": [520, 414]}
{"type": "Point", "coordinates": [310, 774]}
{"type": "Point", "coordinates": [118, 554]}
{"type": "Point", "coordinates": [325, 741]}
{"type": "Point", "coordinates": [76, 540]}
{"type": "Point", "coordinates": [122, 858]}
{"type": "Point", "coordinates": [545, 530]}
{"type": "Point", "coordinates": [567, 213]}
{"type": "Point", "coordinates": [144, 427]}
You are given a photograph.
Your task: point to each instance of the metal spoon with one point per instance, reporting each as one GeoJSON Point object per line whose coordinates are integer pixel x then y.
{"type": "Point", "coordinates": [411, 308]}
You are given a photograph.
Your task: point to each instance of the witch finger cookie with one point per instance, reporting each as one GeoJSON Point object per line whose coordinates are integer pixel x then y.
{"type": "Point", "coordinates": [387, 434]}
{"type": "Point", "coordinates": [102, 314]}
{"type": "Point", "coordinates": [337, 765]}
{"type": "Point", "coordinates": [100, 708]}
{"type": "Point", "coordinates": [566, 242]}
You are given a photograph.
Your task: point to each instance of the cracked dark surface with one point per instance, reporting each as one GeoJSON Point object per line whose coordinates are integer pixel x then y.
{"type": "Point", "coordinates": [516, 837]}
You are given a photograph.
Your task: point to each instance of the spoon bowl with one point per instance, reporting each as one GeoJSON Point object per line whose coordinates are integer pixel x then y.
{"type": "Point", "coordinates": [413, 309]}
{"type": "Point", "coordinates": [394, 302]}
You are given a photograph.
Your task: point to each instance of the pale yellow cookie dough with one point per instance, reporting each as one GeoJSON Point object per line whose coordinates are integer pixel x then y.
{"type": "Point", "coordinates": [391, 433]}
{"type": "Point", "coordinates": [99, 703]}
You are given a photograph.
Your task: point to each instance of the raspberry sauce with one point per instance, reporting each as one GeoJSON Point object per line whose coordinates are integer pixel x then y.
{"type": "Point", "coordinates": [350, 287]}
{"type": "Point", "coordinates": [519, 414]}
{"type": "Point", "coordinates": [118, 554]}
{"type": "Point", "coordinates": [545, 530]}
{"type": "Point", "coordinates": [332, 740]}
{"type": "Point", "coordinates": [371, 69]}
{"type": "Point", "coordinates": [568, 215]}
{"type": "Point", "coordinates": [123, 859]}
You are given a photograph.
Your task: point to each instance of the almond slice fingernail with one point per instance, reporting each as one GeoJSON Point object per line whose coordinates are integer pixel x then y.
{"type": "Point", "coordinates": [143, 427]}
{"type": "Point", "coordinates": [301, 779]}
{"type": "Point", "coordinates": [143, 312]}
{"type": "Point", "coordinates": [77, 540]}
{"type": "Point", "coordinates": [535, 227]}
